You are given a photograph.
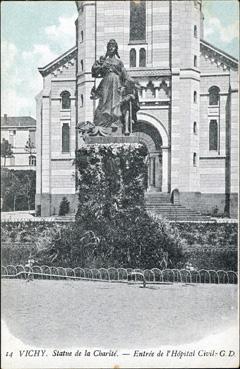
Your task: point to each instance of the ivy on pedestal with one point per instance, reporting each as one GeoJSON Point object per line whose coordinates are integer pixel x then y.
{"type": "Point", "coordinates": [111, 188]}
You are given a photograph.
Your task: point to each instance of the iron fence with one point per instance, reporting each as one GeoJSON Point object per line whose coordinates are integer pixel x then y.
{"type": "Point", "coordinates": [127, 275]}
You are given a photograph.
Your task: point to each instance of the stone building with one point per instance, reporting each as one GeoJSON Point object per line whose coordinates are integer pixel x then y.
{"type": "Point", "coordinates": [189, 103]}
{"type": "Point", "coordinates": [18, 131]}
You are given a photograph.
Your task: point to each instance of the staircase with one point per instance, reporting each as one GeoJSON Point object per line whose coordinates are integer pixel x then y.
{"type": "Point", "coordinates": [160, 204]}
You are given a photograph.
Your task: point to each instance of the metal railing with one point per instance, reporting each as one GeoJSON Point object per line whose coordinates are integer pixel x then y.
{"type": "Point", "coordinates": [122, 275]}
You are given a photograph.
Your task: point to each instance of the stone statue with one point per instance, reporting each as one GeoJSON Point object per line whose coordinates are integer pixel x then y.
{"type": "Point", "coordinates": [117, 95]}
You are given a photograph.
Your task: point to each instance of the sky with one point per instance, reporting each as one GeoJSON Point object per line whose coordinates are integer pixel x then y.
{"type": "Point", "coordinates": [33, 33]}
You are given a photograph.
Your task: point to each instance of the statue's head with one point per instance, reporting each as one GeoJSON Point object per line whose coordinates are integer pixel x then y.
{"type": "Point", "coordinates": [112, 48]}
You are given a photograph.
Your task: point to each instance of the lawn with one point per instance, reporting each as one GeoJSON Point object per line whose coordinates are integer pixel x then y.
{"type": "Point", "coordinates": [68, 313]}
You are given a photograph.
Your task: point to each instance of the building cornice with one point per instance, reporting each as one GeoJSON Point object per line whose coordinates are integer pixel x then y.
{"type": "Point", "coordinates": [62, 60]}
{"type": "Point", "coordinates": [217, 56]}
{"type": "Point", "coordinates": [148, 72]}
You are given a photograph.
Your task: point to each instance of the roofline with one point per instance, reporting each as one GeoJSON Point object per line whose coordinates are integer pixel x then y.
{"type": "Point", "coordinates": [42, 69]}
{"type": "Point", "coordinates": [205, 43]}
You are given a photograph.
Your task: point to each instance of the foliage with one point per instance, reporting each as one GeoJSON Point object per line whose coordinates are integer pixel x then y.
{"type": "Point", "coordinates": [111, 203]}
{"type": "Point", "coordinates": [112, 228]}
{"type": "Point", "coordinates": [111, 178]}
{"type": "Point", "coordinates": [210, 245]}
{"type": "Point", "coordinates": [19, 238]}
{"type": "Point", "coordinates": [133, 239]}
{"type": "Point", "coordinates": [216, 235]}
{"type": "Point", "coordinates": [208, 258]}
{"type": "Point", "coordinates": [64, 206]}
{"type": "Point", "coordinates": [18, 189]}
{"type": "Point", "coordinates": [16, 253]}
{"type": "Point", "coordinates": [28, 231]}
{"type": "Point", "coordinates": [6, 150]}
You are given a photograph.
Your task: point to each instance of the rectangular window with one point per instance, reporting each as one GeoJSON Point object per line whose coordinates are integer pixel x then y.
{"type": "Point", "coordinates": [213, 135]}
{"type": "Point", "coordinates": [194, 159]}
{"type": "Point", "coordinates": [195, 61]}
{"type": "Point", "coordinates": [65, 138]}
{"type": "Point", "coordinates": [138, 20]}
{"type": "Point", "coordinates": [32, 160]}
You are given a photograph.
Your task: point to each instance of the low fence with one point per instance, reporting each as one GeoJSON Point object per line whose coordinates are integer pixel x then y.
{"type": "Point", "coordinates": [122, 275]}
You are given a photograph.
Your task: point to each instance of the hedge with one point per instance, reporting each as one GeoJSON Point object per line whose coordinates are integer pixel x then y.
{"type": "Point", "coordinates": [206, 246]}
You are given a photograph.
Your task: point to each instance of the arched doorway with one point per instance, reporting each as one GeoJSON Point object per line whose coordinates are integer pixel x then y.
{"type": "Point", "coordinates": [151, 138]}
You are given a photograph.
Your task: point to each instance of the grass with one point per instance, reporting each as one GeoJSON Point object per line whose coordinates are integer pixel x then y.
{"type": "Point", "coordinates": [80, 313]}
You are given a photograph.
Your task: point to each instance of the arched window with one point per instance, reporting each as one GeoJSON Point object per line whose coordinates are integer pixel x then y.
{"type": "Point", "coordinates": [195, 128]}
{"type": "Point", "coordinates": [65, 137]}
{"type": "Point", "coordinates": [195, 97]}
{"type": "Point", "coordinates": [194, 159]}
{"type": "Point", "coordinates": [195, 31]}
{"type": "Point", "coordinates": [82, 100]}
{"type": "Point", "coordinates": [142, 57]}
{"type": "Point", "coordinates": [195, 61]}
{"type": "Point", "coordinates": [132, 58]}
{"type": "Point", "coordinates": [137, 20]}
{"type": "Point", "coordinates": [81, 36]}
{"type": "Point", "coordinates": [66, 101]}
{"type": "Point", "coordinates": [213, 135]}
{"type": "Point", "coordinates": [213, 95]}
{"type": "Point", "coordinates": [81, 64]}
{"type": "Point", "coordinates": [32, 160]}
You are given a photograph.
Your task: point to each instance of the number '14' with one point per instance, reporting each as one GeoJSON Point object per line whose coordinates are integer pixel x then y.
{"type": "Point", "coordinates": [9, 354]}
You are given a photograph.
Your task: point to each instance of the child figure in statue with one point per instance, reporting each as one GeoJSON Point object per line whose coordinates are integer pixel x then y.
{"type": "Point", "coordinates": [96, 92]}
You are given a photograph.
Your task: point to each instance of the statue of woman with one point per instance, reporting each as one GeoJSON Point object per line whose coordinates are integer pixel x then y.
{"type": "Point", "coordinates": [109, 112]}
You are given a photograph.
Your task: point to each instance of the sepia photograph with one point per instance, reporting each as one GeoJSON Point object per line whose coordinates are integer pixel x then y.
{"type": "Point", "coordinates": [119, 184]}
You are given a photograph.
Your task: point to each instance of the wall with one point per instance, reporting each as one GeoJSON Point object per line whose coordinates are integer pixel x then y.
{"type": "Point", "coordinates": [55, 173]}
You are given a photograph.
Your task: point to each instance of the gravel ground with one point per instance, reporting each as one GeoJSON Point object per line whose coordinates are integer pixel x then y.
{"type": "Point", "coordinates": [62, 313]}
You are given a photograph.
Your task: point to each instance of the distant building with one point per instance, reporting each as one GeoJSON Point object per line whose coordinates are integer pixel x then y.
{"type": "Point", "coordinates": [188, 118]}
{"type": "Point", "coordinates": [18, 131]}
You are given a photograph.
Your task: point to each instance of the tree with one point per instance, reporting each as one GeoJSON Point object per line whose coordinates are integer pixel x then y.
{"type": "Point", "coordinates": [18, 189]}
{"type": "Point", "coordinates": [6, 150]}
{"type": "Point", "coordinates": [29, 147]}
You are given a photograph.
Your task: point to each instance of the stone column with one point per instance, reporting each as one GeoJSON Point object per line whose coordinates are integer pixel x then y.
{"type": "Point", "coordinates": [158, 171]}
{"type": "Point", "coordinates": [45, 198]}
{"type": "Point", "coordinates": [165, 169]}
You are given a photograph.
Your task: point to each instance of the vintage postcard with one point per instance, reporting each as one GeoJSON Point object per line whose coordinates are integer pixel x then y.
{"type": "Point", "coordinates": [119, 184]}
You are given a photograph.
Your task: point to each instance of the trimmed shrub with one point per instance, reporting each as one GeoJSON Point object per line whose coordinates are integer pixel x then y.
{"type": "Point", "coordinates": [210, 245]}
{"type": "Point", "coordinates": [64, 207]}
{"type": "Point", "coordinates": [215, 234]}
{"type": "Point", "coordinates": [212, 258]}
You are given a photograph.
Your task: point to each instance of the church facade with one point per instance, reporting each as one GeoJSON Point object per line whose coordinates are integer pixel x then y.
{"type": "Point", "coordinates": [188, 117]}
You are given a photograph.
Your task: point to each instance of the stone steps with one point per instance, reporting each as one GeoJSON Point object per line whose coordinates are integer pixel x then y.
{"type": "Point", "coordinates": [160, 204]}
{"type": "Point", "coordinates": [64, 218]}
